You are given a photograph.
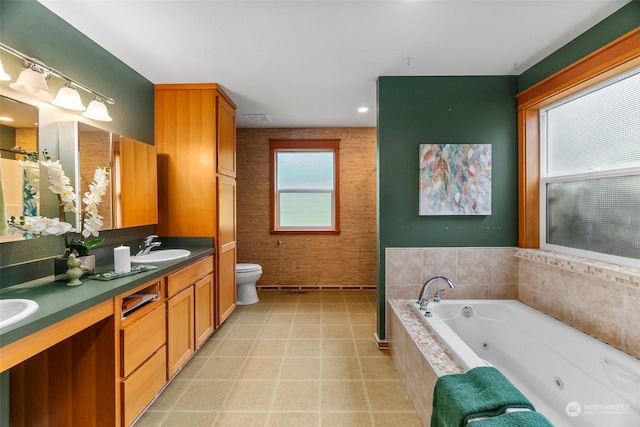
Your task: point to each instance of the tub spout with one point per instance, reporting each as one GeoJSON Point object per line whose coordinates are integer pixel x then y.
{"type": "Point", "coordinates": [423, 298]}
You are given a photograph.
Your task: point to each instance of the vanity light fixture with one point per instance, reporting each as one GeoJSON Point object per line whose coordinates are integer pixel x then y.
{"type": "Point", "coordinates": [69, 98]}
{"type": "Point", "coordinates": [97, 111]}
{"type": "Point", "coordinates": [3, 74]}
{"type": "Point", "coordinates": [33, 81]}
{"type": "Point", "coordinates": [363, 109]}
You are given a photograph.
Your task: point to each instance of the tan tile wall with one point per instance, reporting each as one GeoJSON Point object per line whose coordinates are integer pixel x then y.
{"type": "Point", "coordinates": [477, 273]}
{"type": "Point", "coordinates": [347, 260]}
{"type": "Point", "coordinates": [602, 300]}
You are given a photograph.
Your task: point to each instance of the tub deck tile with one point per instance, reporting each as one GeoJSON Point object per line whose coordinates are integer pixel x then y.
{"type": "Point", "coordinates": [437, 355]}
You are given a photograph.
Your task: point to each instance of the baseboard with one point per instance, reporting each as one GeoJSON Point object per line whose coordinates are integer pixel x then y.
{"type": "Point", "coordinates": [381, 344]}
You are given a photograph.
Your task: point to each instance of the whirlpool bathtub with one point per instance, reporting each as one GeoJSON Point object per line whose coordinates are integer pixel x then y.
{"type": "Point", "coordinates": [570, 377]}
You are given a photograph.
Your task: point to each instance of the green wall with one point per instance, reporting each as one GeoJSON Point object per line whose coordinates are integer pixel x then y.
{"type": "Point", "coordinates": [614, 26]}
{"type": "Point", "coordinates": [456, 110]}
{"type": "Point", "coordinates": [443, 110]}
{"type": "Point", "coordinates": [32, 29]}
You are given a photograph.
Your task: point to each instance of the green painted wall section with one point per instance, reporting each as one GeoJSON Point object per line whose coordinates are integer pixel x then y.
{"type": "Point", "coordinates": [34, 30]}
{"type": "Point", "coordinates": [31, 28]}
{"type": "Point", "coordinates": [443, 110]}
{"type": "Point", "coordinates": [625, 19]}
{"type": "Point", "coordinates": [417, 110]}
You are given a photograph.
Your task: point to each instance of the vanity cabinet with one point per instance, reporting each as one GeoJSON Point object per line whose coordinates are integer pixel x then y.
{"type": "Point", "coordinates": [196, 142]}
{"type": "Point", "coordinates": [190, 310]}
{"type": "Point", "coordinates": [143, 353]}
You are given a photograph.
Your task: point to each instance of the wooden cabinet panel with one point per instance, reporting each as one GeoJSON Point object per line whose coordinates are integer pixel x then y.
{"type": "Point", "coordinates": [227, 285]}
{"type": "Point", "coordinates": [141, 386]}
{"type": "Point", "coordinates": [203, 289]}
{"type": "Point", "coordinates": [142, 338]}
{"type": "Point", "coordinates": [138, 195]}
{"type": "Point", "coordinates": [226, 137]}
{"type": "Point", "coordinates": [188, 275]}
{"type": "Point", "coordinates": [180, 330]}
{"type": "Point", "coordinates": [196, 140]}
{"type": "Point", "coordinates": [186, 141]}
{"type": "Point", "coordinates": [226, 247]}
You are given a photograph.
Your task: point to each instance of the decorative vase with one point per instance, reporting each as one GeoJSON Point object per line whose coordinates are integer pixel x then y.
{"type": "Point", "coordinates": [74, 272]}
{"type": "Point", "coordinates": [87, 264]}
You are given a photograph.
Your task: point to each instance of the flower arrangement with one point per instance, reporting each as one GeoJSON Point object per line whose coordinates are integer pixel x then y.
{"type": "Point", "coordinates": [60, 185]}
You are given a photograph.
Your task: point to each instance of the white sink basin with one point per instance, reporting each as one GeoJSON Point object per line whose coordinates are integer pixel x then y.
{"type": "Point", "coordinates": [160, 256]}
{"type": "Point", "coordinates": [14, 310]}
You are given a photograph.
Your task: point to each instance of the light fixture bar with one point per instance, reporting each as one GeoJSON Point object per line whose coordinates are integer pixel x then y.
{"type": "Point", "coordinates": [52, 71]}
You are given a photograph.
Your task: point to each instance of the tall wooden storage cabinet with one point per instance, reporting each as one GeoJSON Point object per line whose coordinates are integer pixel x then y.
{"type": "Point", "coordinates": [196, 143]}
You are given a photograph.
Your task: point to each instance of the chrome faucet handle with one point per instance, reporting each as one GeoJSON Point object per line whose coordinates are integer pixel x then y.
{"type": "Point", "coordinates": [436, 297]}
{"type": "Point", "coordinates": [147, 240]}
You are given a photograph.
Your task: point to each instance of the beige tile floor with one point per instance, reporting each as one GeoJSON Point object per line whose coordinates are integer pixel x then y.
{"type": "Point", "coordinates": [293, 359]}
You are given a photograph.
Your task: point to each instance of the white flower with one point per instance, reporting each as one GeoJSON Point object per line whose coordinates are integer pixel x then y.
{"type": "Point", "coordinates": [92, 221]}
{"type": "Point", "coordinates": [40, 226]}
{"type": "Point", "coordinates": [60, 185]}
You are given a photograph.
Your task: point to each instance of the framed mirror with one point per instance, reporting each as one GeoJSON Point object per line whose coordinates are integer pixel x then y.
{"type": "Point", "coordinates": [82, 149]}
{"type": "Point", "coordinates": [19, 187]}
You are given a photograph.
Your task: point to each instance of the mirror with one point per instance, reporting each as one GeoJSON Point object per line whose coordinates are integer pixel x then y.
{"type": "Point", "coordinates": [135, 179]}
{"type": "Point", "coordinates": [18, 136]}
{"type": "Point", "coordinates": [131, 198]}
{"type": "Point", "coordinates": [82, 149]}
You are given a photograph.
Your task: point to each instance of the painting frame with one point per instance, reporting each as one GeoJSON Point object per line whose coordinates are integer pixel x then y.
{"type": "Point", "coordinates": [455, 179]}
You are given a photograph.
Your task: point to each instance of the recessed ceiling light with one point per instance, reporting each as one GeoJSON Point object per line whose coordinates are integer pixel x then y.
{"type": "Point", "coordinates": [363, 109]}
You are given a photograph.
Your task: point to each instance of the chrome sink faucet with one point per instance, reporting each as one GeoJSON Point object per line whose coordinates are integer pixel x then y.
{"type": "Point", "coordinates": [148, 244]}
{"type": "Point", "coordinates": [423, 297]}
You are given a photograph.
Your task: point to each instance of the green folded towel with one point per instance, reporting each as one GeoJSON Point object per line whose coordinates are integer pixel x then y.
{"type": "Point", "coordinates": [482, 391]}
{"type": "Point", "coordinates": [514, 419]}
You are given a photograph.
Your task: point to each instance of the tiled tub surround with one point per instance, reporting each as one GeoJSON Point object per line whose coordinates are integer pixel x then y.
{"type": "Point", "coordinates": [602, 300]}
{"type": "Point", "coordinates": [478, 273]}
{"type": "Point", "coordinates": [418, 356]}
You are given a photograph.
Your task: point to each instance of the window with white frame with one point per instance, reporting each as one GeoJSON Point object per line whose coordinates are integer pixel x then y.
{"type": "Point", "coordinates": [590, 172]}
{"type": "Point", "coordinates": [305, 186]}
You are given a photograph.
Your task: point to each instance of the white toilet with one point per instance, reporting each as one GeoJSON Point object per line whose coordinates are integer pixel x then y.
{"type": "Point", "coordinates": [246, 277]}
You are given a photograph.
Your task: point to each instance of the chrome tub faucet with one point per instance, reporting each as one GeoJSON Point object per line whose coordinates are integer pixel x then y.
{"type": "Point", "coordinates": [423, 297]}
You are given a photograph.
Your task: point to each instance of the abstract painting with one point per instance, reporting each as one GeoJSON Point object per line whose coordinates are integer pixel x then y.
{"type": "Point", "coordinates": [455, 179]}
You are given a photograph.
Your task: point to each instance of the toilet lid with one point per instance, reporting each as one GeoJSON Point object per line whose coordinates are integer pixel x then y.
{"type": "Point", "coordinates": [246, 267]}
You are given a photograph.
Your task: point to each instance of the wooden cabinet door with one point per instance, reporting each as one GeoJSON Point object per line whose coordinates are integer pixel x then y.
{"type": "Point", "coordinates": [142, 386]}
{"type": "Point", "coordinates": [141, 339]}
{"type": "Point", "coordinates": [186, 139]}
{"type": "Point", "coordinates": [137, 192]}
{"type": "Point", "coordinates": [226, 250]}
{"type": "Point", "coordinates": [180, 330]}
{"type": "Point", "coordinates": [226, 137]}
{"type": "Point", "coordinates": [204, 309]}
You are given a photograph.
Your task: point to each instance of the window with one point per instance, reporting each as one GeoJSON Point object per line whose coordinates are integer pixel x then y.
{"type": "Point", "coordinates": [590, 172]}
{"type": "Point", "coordinates": [305, 186]}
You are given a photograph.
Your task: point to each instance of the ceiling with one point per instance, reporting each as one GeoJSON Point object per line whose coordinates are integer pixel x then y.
{"type": "Point", "coordinates": [312, 63]}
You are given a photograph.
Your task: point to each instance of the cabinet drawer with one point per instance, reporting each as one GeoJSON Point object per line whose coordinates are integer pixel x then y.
{"type": "Point", "coordinates": [142, 338]}
{"type": "Point", "coordinates": [188, 276]}
{"type": "Point", "coordinates": [141, 387]}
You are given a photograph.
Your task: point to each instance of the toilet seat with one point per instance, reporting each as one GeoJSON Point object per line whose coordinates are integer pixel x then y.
{"type": "Point", "coordinates": [247, 268]}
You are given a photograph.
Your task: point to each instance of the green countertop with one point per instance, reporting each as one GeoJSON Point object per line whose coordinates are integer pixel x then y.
{"type": "Point", "coordinates": [57, 301]}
